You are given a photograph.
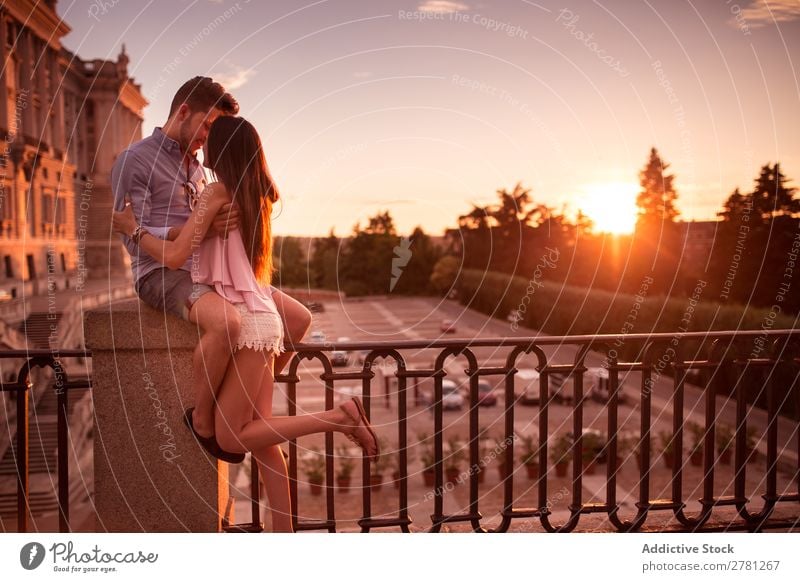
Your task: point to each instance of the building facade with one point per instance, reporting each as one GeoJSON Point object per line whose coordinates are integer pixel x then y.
{"type": "Point", "coordinates": [62, 121]}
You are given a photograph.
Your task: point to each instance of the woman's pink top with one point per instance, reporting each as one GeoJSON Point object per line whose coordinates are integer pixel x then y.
{"type": "Point", "coordinates": [223, 264]}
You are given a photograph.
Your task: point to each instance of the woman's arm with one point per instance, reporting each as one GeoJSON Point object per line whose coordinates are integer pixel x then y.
{"type": "Point", "coordinates": [173, 254]}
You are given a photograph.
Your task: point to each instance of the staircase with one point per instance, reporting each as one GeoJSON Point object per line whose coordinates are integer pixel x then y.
{"type": "Point", "coordinates": [39, 328]}
{"type": "Point", "coordinates": [42, 456]}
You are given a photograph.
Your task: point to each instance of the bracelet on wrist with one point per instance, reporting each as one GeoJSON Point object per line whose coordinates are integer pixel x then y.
{"type": "Point", "coordinates": [138, 232]}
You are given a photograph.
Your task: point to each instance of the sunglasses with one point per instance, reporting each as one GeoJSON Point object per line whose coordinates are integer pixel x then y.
{"type": "Point", "coordinates": [191, 194]}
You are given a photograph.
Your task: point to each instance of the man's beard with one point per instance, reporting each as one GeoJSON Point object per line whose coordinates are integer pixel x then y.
{"type": "Point", "coordinates": [186, 138]}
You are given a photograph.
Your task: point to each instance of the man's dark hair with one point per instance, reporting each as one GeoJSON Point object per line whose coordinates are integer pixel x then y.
{"type": "Point", "coordinates": [201, 94]}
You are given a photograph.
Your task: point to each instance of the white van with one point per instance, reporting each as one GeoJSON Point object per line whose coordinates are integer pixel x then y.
{"type": "Point", "coordinates": [528, 380]}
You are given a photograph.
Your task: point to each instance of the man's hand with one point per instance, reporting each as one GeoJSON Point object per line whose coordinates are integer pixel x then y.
{"type": "Point", "coordinates": [124, 222]}
{"type": "Point", "coordinates": [227, 219]}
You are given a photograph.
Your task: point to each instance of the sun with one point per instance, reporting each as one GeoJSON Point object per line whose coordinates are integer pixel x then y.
{"type": "Point", "coordinates": [610, 205]}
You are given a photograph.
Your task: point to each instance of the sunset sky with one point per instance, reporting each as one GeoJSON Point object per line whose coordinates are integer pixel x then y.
{"type": "Point", "coordinates": [424, 107]}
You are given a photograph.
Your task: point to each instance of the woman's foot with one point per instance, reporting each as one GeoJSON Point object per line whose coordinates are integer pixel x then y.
{"type": "Point", "coordinates": [358, 429]}
{"type": "Point", "coordinates": [204, 427]}
{"type": "Point", "coordinates": [210, 443]}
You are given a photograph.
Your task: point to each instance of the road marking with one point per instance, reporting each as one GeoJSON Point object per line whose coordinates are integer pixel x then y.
{"type": "Point", "coordinates": [393, 320]}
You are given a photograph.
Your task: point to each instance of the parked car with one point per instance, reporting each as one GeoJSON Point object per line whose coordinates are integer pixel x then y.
{"type": "Point", "coordinates": [600, 386]}
{"type": "Point", "coordinates": [339, 357]}
{"type": "Point", "coordinates": [528, 381]}
{"type": "Point", "coordinates": [560, 388]}
{"type": "Point", "coordinates": [452, 398]}
{"type": "Point", "coordinates": [486, 395]}
{"type": "Point", "coordinates": [317, 337]}
{"type": "Point", "coordinates": [315, 307]}
{"type": "Point", "coordinates": [447, 326]}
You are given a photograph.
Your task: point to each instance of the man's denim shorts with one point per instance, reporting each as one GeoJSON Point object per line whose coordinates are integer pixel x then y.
{"type": "Point", "coordinates": [170, 291]}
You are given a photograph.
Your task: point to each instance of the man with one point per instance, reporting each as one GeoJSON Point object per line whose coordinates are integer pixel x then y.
{"type": "Point", "coordinates": [163, 179]}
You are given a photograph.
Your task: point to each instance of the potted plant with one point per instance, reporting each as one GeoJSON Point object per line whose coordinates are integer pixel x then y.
{"type": "Point", "coordinates": [696, 448]}
{"type": "Point", "coordinates": [626, 445]}
{"type": "Point", "coordinates": [592, 446]}
{"type": "Point", "coordinates": [500, 446]}
{"type": "Point", "coordinates": [452, 462]}
{"type": "Point", "coordinates": [347, 465]}
{"type": "Point", "coordinates": [530, 456]}
{"type": "Point", "coordinates": [561, 454]}
{"type": "Point", "coordinates": [724, 440]}
{"type": "Point", "coordinates": [428, 458]}
{"type": "Point", "coordinates": [314, 469]}
{"type": "Point", "coordinates": [667, 441]}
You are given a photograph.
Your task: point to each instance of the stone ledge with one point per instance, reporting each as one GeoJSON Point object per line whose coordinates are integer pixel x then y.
{"type": "Point", "coordinates": [132, 324]}
{"type": "Point", "coordinates": [150, 473]}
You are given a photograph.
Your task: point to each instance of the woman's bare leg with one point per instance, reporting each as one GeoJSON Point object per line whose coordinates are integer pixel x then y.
{"type": "Point", "coordinates": [272, 466]}
{"type": "Point", "coordinates": [275, 478]}
{"type": "Point", "coordinates": [243, 423]}
{"type": "Point", "coordinates": [237, 431]}
{"type": "Point", "coordinates": [296, 322]}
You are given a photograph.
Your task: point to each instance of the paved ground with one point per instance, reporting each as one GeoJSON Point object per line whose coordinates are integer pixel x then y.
{"type": "Point", "coordinates": [382, 319]}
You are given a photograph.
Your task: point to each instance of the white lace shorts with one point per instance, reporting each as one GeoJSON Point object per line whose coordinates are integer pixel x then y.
{"type": "Point", "coordinates": [261, 330]}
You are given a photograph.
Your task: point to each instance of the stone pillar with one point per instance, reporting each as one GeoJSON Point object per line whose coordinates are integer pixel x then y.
{"type": "Point", "coordinates": [150, 474]}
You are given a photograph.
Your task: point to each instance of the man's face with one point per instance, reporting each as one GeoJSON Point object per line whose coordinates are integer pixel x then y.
{"type": "Point", "coordinates": [195, 128]}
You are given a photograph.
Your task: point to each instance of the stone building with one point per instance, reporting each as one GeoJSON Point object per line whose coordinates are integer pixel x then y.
{"type": "Point", "coordinates": [62, 121]}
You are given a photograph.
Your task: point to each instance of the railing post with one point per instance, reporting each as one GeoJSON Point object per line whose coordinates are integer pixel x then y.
{"type": "Point", "coordinates": [150, 473]}
{"type": "Point", "coordinates": [23, 483]}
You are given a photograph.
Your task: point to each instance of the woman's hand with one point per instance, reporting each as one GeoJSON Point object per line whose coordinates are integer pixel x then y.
{"type": "Point", "coordinates": [124, 222]}
{"type": "Point", "coordinates": [226, 220]}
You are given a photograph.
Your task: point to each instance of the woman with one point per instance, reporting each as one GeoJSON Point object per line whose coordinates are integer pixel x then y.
{"type": "Point", "coordinates": [241, 274]}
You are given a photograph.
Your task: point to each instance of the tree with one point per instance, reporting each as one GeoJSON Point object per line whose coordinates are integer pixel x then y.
{"type": "Point", "coordinates": [445, 273]}
{"type": "Point", "coordinates": [366, 263]}
{"type": "Point", "coordinates": [656, 199]}
{"type": "Point", "coordinates": [658, 245]}
{"type": "Point", "coordinates": [323, 272]}
{"type": "Point", "coordinates": [771, 197]}
{"type": "Point", "coordinates": [412, 264]}
{"type": "Point", "coordinates": [292, 267]}
{"type": "Point", "coordinates": [494, 236]}
{"type": "Point", "coordinates": [756, 237]}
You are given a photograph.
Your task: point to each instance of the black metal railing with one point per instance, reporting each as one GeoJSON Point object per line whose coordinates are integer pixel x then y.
{"type": "Point", "coordinates": [22, 388]}
{"type": "Point", "coordinates": [723, 352]}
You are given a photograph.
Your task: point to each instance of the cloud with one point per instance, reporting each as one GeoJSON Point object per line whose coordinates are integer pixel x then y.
{"type": "Point", "coordinates": [362, 74]}
{"type": "Point", "coordinates": [442, 6]}
{"type": "Point", "coordinates": [235, 78]}
{"type": "Point", "coordinates": [763, 12]}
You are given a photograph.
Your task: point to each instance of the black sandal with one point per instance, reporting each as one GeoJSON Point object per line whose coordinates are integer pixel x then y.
{"type": "Point", "coordinates": [210, 444]}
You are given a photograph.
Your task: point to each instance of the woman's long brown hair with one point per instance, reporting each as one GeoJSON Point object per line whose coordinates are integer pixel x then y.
{"type": "Point", "coordinates": [237, 158]}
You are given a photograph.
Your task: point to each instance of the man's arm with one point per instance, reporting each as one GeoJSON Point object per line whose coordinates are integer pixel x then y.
{"type": "Point", "coordinates": [129, 179]}
{"type": "Point", "coordinates": [173, 254]}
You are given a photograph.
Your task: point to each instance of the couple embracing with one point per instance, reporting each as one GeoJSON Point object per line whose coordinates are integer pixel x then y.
{"type": "Point", "coordinates": [203, 252]}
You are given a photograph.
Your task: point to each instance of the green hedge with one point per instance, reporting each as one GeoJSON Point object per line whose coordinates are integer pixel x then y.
{"type": "Point", "coordinates": [564, 310]}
